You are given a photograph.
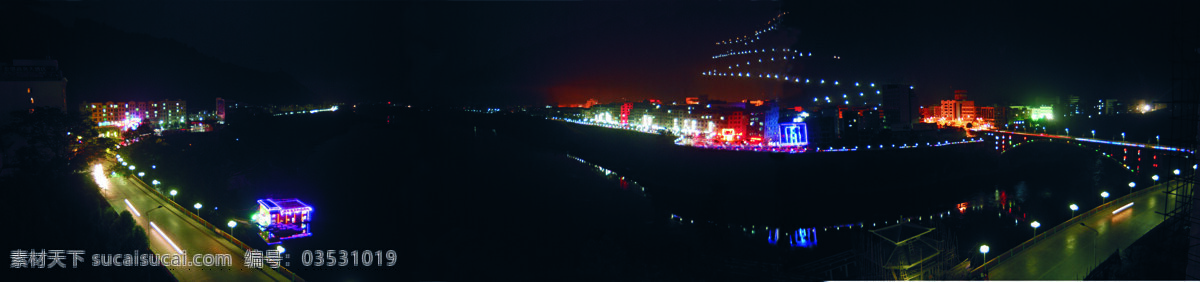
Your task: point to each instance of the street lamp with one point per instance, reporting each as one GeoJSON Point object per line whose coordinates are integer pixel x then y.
{"type": "Point", "coordinates": [1093, 133]}
{"type": "Point", "coordinates": [984, 250]}
{"type": "Point", "coordinates": [1068, 131]}
{"type": "Point", "coordinates": [197, 206]}
{"type": "Point", "coordinates": [131, 167]}
{"type": "Point", "coordinates": [231, 225]}
{"type": "Point", "coordinates": [1155, 178]}
{"type": "Point", "coordinates": [1156, 140]}
{"type": "Point", "coordinates": [1122, 136]}
{"type": "Point", "coordinates": [1176, 171]}
{"type": "Point", "coordinates": [1131, 185]}
{"type": "Point", "coordinates": [1035, 226]}
{"type": "Point", "coordinates": [173, 192]}
{"type": "Point", "coordinates": [1093, 240]}
{"type": "Point", "coordinates": [1103, 195]}
{"type": "Point", "coordinates": [1073, 209]}
{"type": "Point", "coordinates": [141, 174]}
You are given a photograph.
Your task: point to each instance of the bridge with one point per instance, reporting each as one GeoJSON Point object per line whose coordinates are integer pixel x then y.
{"type": "Point", "coordinates": [1142, 159]}
{"type": "Point", "coordinates": [1072, 249]}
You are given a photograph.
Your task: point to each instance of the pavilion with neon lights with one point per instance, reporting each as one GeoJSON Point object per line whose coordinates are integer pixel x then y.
{"type": "Point", "coordinates": [282, 219]}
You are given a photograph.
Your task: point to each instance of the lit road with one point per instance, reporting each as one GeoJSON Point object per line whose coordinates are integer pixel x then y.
{"type": "Point", "coordinates": [186, 233]}
{"type": "Point", "coordinates": [1068, 254]}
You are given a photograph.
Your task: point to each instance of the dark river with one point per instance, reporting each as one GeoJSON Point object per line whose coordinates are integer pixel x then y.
{"type": "Point", "coordinates": [466, 196]}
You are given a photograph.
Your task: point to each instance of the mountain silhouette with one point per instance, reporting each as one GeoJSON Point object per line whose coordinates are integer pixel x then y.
{"type": "Point", "coordinates": [103, 64]}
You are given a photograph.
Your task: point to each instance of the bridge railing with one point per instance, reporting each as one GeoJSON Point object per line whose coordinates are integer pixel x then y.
{"type": "Point", "coordinates": [988, 265]}
{"type": "Point", "coordinates": [288, 273]}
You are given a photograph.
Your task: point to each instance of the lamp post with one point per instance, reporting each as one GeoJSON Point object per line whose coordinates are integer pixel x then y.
{"type": "Point", "coordinates": [197, 206]}
{"type": "Point", "coordinates": [1176, 172]}
{"type": "Point", "coordinates": [1155, 178]}
{"type": "Point", "coordinates": [1131, 185]}
{"type": "Point", "coordinates": [984, 250]}
{"type": "Point", "coordinates": [148, 215]}
{"type": "Point", "coordinates": [1093, 133]}
{"type": "Point", "coordinates": [1122, 136]}
{"type": "Point", "coordinates": [1103, 196]}
{"type": "Point", "coordinates": [1068, 130]}
{"type": "Point", "coordinates": [173, 192]}
{"type": "Point", "coordinates": [1035, 226]}
{"type": "Point", "coordinates": [1073, 209]}
{"type": "Point", "coordinates": [1093, 241]}
{"type": "Point", "coordinates": [141, 174]}
{"type": "Point", "coordinates": [1157, 141]}
{"type": "Point", "coordinates": [231, 225]}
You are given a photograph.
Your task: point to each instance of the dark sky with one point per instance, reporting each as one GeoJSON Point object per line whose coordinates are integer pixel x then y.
{"type": "Point", "coordinates": [566, 52]}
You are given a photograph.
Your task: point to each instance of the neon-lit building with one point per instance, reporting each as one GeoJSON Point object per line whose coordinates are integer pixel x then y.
{"type": "Point", "coordinates": [127, 115]}
{"type": "Point", "coordinates": [282, 219]}
{"type": "Point", "coordinates": [1043, 112]}
{"type": "Point", "coordinates": [793, 134]}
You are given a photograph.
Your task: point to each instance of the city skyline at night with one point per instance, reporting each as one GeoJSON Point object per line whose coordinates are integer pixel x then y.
{"type": "Point", "coordinates": [626, 141]}
{"type": "Point", "coordinates": [556, 53]}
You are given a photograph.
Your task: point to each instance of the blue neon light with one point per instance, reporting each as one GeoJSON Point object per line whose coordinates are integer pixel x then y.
{"type": "Point", "coordinates": [804, 237]}
{"type": "Point", "coordinates": [793, 133]}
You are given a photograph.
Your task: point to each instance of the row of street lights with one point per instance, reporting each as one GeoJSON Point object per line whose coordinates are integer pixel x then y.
{"type": "Point", "coordinates": [173, 192]}
{"type": "Point", "coordinates": [984, 249]}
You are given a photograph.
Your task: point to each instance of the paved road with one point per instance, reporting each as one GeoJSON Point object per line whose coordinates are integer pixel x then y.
{"type": "Point", "coordinates": [186, 233]}
{"type": "Point", "coordinates": [1068, 254]}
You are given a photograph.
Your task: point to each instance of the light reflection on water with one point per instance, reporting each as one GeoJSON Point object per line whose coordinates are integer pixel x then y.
{"type": "Point", "coordinates": [803, 237]}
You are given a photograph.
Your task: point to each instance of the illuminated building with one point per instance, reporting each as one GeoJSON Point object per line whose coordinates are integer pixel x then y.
{"type": "Point", "coordinates": [958, 109]}
{"type": "Point", "coordinates": [220, 110]}
{"type": "Point", "coordinates": [793, 133]}
{"type": "Point", "coordinates": [996, 116]}
{"type": "Point", "coordinates": [29, 84]}
{"type": "Point", "coordinates": [121, 113]}
{"type": "Point", "coordinates": [625, 108]}
{"type": "Point", "coordinates": [282, 219]}
{"type": "Point", "coordinates": [1073, 107]}
{"type": "Point", "coordinates": [930, 113]}
{"type": "Point", "coordinates": [1043, 112]}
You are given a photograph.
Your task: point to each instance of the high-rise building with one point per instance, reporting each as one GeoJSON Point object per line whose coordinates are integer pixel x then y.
{"type": "Point", "coordinates": [1073, 107]}
{"type": "Point", "coordinates": [29, 84]}
{"type": "Point", "coordinates": [899, 106]}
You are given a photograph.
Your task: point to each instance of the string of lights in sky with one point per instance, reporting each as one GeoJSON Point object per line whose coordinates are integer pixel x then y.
{"type": "Point", "coordinates": [767, 63]}
{"type": "Point", "coordinates": [772, 24]}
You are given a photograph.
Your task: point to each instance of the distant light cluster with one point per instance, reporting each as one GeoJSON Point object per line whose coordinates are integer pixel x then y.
{"type": "Point", "coordinates": [747, 39]}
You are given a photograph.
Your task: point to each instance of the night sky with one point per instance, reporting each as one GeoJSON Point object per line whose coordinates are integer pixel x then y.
{"type": "Point", "coordinates": [567, 52]}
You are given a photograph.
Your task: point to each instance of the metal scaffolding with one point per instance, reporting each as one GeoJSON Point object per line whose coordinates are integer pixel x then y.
{"type": "Point", "coordinates": [909, 251]}
{"type": "Point", "coordinates": [1181, 218]}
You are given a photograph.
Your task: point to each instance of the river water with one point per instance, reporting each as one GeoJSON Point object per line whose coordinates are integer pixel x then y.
{"type": "Point", "coordinates": [467, 196]}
